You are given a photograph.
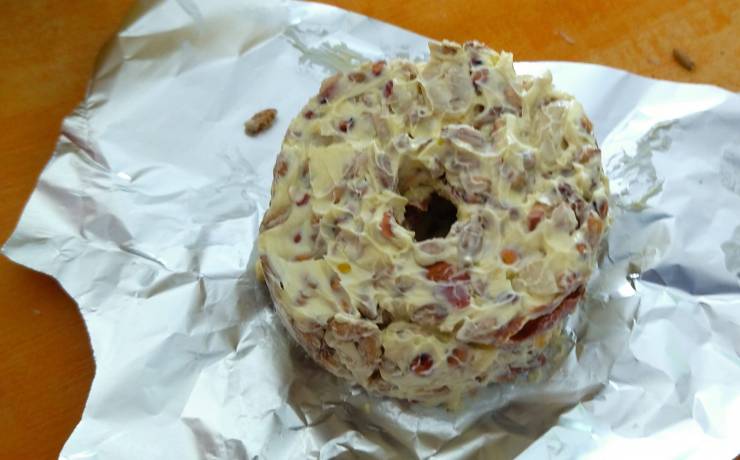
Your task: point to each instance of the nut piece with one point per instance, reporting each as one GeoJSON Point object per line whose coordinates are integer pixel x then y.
{"type": "Point", "coordinates": [260, 121]}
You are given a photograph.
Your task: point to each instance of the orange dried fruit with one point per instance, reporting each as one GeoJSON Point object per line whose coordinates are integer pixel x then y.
{"type": "Point", "coordinates": [509, 256]}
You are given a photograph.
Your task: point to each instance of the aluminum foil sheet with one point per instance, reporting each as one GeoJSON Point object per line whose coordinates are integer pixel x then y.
{"type": "Point", "coordinates": [148, 211]}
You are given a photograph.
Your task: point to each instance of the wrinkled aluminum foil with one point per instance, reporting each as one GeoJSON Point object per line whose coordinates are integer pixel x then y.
{"type": "Point", "coordinates": [149, 208]}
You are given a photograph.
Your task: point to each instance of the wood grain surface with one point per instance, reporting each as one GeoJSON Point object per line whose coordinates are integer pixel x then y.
{"type": "Point", "coordinates": [47, 52]}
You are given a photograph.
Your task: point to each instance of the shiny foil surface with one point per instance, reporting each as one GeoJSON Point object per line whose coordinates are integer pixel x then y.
{"type": "Point", "coordinates": [148, 210]}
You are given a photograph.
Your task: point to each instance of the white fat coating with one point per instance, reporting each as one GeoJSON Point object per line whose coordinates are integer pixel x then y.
{"type": "Point", "coordinates": [430, 320]}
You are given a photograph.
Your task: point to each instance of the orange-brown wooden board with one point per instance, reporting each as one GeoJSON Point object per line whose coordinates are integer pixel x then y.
{"type": "Point", "coordinates": [47, 51]}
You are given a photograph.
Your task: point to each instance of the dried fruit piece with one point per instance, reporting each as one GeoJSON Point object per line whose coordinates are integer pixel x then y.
{"type": "Point", "coordinates": [385, 225]}
{"type": "Point", "coordinates": [594, 227]}
{"type": "Point", "coordinates": [439, 271]}
{"type": "Point", "coordinates": [377, 67]}
{"type": "Point", "coordinates": [585, 155]}
{"type": "Point", "coordinates": [335, 284]}
{"type": "Point", "coordinates": [566, 191]}
{"type": "Point", "coordinates": [281, 167]}
{"type": "Point", "coordinates": [346, 125]}
{"type": "Point", "coordinates": [328, 88]}
{"type": "Point", "coordinates": [543, 322]}
{"type": "Point", "coordinates": [357, 77]}
{"type": "Point", "coordinates": [479, 77]}
{"type": "Point", "coordinates": [509, 256]}
{"type": "Point", "coordinates": [504, 333]}
{"type": "Point", "coordinates": [304, 199]}
{"type": "Point", "coordinates": [422, 364]}
{"type": "Point", "coordinates": [443, 271]}
{"type": "Point", "coordinates": [388, 88]}
{"type": "Point", "coordinates": [517, 180]}
{"type": "Point", "coordinates": [260, 121]}
{"type": "Point", "coordinates": [457, 357]}
{"type": "Point", "coordinates": [457, 295]}
{"type": "Point", "coordinates": [535, 216]}
{"type": "Point", "coordinates": [602, 207]}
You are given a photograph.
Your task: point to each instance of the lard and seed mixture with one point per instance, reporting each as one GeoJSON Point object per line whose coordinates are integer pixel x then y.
{"type": "Point", "coordinates": [432, 224]}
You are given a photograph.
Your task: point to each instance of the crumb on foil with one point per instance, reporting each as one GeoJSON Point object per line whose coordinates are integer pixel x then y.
{"type": "Point", "coordinates": [260, 121]}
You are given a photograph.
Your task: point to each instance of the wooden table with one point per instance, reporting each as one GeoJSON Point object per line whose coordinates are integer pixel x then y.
{"type": "Point", "coordinates": [47, 51]}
